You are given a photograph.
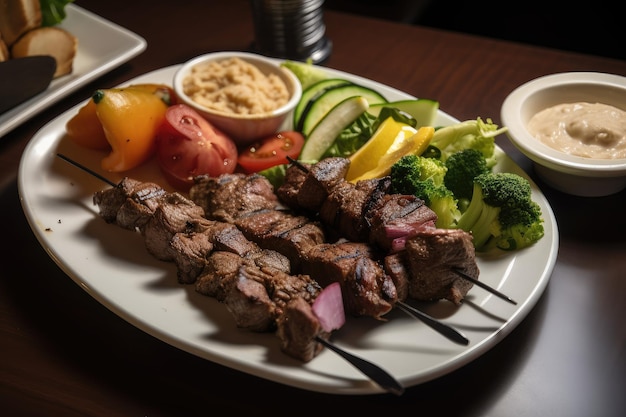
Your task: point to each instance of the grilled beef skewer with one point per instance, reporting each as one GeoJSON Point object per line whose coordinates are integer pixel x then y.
{"type": "Point", "coordinates": [248, 201]}
{"type": "Point", "coordinates": [367, 213]}
{"type": "Point", "coordinates": [253, 283]}
{"type": "Point", "coordinates": [427, 268]}
{"type": "Point", "coordinates": [299, 329]}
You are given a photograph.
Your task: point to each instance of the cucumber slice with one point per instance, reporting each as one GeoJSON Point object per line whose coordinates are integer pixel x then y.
{"type": "Point", "coordinates": [423, 110]}
{"type": "Point", "coordinates": [331, 125]}
{"type": "Point", "coordinates": [312, 92]}
{"type": "Point", "coordinates": [331, 97]}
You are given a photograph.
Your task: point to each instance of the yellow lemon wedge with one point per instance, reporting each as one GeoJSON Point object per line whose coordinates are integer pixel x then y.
{"type": "Point", "coordinates": [379, 164]}
{"type": "Point", "coordinates": [366, 158]}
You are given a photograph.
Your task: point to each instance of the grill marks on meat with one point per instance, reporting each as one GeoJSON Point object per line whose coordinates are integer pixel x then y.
{"type": "Point", "coordinates": [254, 283]}
{"type": "Point", "coordinates": [353, 265]}
{"type": "Point", "coordinates": [366, 288]}
{"type": "Point", "coordinates": [391, 222]}
{"type": "Point", "coordinates": [430, 266]}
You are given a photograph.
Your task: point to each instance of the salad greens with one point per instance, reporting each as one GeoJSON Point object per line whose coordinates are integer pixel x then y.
{"type": "Point", "coordinates": [53, 11]}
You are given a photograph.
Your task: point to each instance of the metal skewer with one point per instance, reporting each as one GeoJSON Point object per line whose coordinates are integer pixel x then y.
{"type": "Point", "coordinates": [374, 372]}
{"type": "Point", "coordinates": [84, 168]}
{"type": "Point", "coordinates": [447, 331]}
{"type": "Point", "coordinates": [484, 286]}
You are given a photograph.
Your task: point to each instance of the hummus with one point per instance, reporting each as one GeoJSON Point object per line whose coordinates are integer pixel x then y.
{"type": "Point", "coordinates": [592, 130]}
{"type": "Point", "coordinates": [235, 86]}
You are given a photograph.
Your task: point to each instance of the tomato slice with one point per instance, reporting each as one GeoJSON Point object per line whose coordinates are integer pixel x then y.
{"type": "Point", "coordinates": [271, 151]}
{"type": "Point", "coordinates": [188, 146]}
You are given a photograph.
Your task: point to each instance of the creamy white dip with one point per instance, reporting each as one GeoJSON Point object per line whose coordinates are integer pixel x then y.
{"type": "Point", "coordinates": [592, 130]}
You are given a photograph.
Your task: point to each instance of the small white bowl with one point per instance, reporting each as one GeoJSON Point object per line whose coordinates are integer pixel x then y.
{"type": "Point", "coordinates": [243, 128]}
{"type": "Point", "coordinates": [576, 175]}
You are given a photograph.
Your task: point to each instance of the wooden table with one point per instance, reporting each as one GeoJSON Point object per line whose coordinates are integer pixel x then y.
{"type": "Point", "coordinates": [64, 354]}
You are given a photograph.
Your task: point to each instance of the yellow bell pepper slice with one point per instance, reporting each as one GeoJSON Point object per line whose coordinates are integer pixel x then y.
{"type": "Point", "coordinates": [130, 118]}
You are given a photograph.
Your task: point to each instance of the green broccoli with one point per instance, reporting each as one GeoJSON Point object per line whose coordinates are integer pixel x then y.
{"type": "Point", "coordinates": [502, 213]}
{"type": "Point", "coordinates": [424, 178]}
{"type": "Point", "coordinates": [462, 167]}
{"type": "Point", "coordinates": [470, 134]}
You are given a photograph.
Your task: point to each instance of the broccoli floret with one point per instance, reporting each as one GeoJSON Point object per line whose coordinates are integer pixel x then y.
{"type": "Point", "coordinates": [462, 167]}
{"type": "Point", "coordinates": [423, 178]}
{"type": "Point", "coordinates": [471, 134]}
{"type": "Point", "coordinates": [502, 213]}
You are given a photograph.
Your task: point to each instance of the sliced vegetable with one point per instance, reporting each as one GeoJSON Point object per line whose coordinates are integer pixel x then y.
{"type": "Point", "coordinates": [328, 308]}
{"type": "Point", "coordinates": [318, 108]}
{"type": "Point", "coordinates": [306, 72]}
{"type": "Point", "coordinates": [333, 122]}
{"type": "Point", "coordinates": [311, 93]}
{"type": "Point", "coordinates": [271, 151]}
{"type": "Point", "coordinates": [130, 119]}
{"type": "Point", "coordinates": [422, 110]}
{"type": "Point", "coordinates": [188, 145]}
{"type": "Point", "coordinates": [366, 158]}
{"type": "Point", "coordinates": [403, 145]}
{"type": "Point", "coordinates": [85, 128]}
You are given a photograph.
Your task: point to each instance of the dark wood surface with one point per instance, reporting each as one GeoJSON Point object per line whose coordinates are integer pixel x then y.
{"type": "Point", "coordinates": [64, 354]}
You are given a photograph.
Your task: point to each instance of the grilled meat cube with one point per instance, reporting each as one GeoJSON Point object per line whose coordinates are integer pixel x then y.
{"type": "Point", "coordinates": [255, 296]}
{"type": "Point", "coordinates": [367, 290]}
{"type": "Point", "coordinates": [171, 216]}
{"type": "Point", "coordinates": [431, 255]}
{"type": "Point", "coordinates": [297, 329]}
{"type": "Point", "coordinates": [308, 192]}
{"type": "Point", "coordinates": [403, 213]}
{"type": "Point", "coordinates": [289, 191]}
{"type": "Point", "coordinates": [230, 196]}
{"type": "Point", "coordinates": [219, 268]}
{"type": "Point", "coordinates": [288, 234]}
{"type": "Point", "coordinates": [345, 209]}
{"type": "Point", "coordinates": [129, 204]}
{"type": "Point", "coordinates": [246, 298]}
{"type": "Point", "coordinates": [395, 267]}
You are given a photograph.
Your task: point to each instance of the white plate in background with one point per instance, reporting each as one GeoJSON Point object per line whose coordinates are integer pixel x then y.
{"type": "Point", "coordinates": [102, 46]}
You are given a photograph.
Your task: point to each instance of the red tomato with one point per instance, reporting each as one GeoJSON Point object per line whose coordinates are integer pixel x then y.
{"type": "Point", "coordinates": [188, 145]}
{"type": "Point", "coordinates": [271, 151]}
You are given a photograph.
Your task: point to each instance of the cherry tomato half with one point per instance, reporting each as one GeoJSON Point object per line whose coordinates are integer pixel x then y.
{"type": "Point", "coordinates": [271, 151]}
{"type": "Point", "coordinates": [188, 145]}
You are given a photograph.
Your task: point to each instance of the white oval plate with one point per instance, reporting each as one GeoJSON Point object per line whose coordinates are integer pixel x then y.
{"type": "Point", "coordinates": [112, 265]}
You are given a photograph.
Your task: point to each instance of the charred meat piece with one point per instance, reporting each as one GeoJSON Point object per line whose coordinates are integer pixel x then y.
{"type": "Point", "coordinates": [395, 267]}
{"type": "Point", "coordinates": [297, 328]}
{"type": "Point", "coordinates": [346, 208]}
{"type": "Point", "coordinates": [398, 215]}
{"type": "Point", "coordinates": [230, 196]}
{"type": "Point", "coordinates": [288, 234]}
{"type": "Point", "coordinates": [366, 289]}
{"type": "Point", "coordinates": [431, 255]}
{"type": "Point", "coordinates": [170, 216]}
{"type": "Point", "coordinates": [308, 192]}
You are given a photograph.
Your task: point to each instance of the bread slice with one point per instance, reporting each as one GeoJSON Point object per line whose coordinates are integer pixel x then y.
{"type": "Point", "coordinates": [52, 40]}
{"type": "Point", "coordinates": [17, 18]}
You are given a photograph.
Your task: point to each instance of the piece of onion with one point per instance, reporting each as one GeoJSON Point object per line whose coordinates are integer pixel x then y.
{"type": "Point", "coordinates": [328, 308]}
